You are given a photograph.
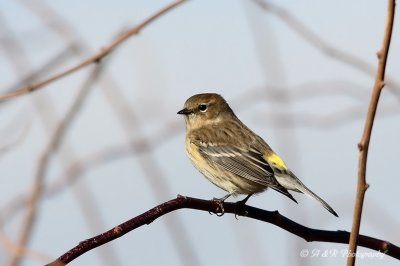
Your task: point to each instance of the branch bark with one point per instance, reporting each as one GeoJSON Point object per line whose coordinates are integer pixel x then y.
{"type": "Point", "coordinates": [94, 58]}
{"type": "Point", "coordinates": [183, 202]}
{"type": "Point", "coordinates": [363, 146]}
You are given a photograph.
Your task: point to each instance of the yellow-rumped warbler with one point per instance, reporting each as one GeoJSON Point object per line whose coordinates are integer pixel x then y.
{"type": "Point", "coordinates": [232, 156]}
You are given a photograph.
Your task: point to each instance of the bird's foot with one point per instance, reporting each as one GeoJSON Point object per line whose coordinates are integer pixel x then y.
{"type": "Point", "coordinates": [243, 201]}
{"type": "Point", "coordinates": [220, 202]}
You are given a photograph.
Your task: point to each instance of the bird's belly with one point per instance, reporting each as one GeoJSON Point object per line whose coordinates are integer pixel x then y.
{"type": "Point", "coordinates": [234, 184]}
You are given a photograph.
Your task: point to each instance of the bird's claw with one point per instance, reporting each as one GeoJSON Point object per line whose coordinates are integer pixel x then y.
{"type": "Point", "coordinates": [243, 201]}
{"type": "Point", "coordinates": [220, 203]}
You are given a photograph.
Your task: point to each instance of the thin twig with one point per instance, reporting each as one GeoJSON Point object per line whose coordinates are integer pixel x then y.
{"type": "Point", "coordinates": [182, 202]}
{"type": "Point", "coordinates": [19, 251]}
{"type": "Point", "coordinates": [151, 169]}
{"type": "Point", "coordinates": [322, 45]}
{"type": "Point", "coordinates": [94, 58]}
{"type": "Point", "coordinates": [37, 189]}
{"type": "Point", "coordinates": [14, 133]}
{"type": "Point", "coordinates": [271, 64]}
{"type": "Point", "coordinates": [80, 166]}
{"type": "Point", "coordinates": [180, 237]}
{"type": "Point", "coordinates": [329, 121]}
{"type": "Point", "coordinates": [18, 59]}
{"type": "Point", "coordinates": [52, 63]}
{"type": "Point", "coordinates": [123, 110]}
{"type": "Point", "coordinates": [363, 146]}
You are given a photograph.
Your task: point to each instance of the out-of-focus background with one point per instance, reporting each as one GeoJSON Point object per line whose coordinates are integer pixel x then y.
{"type": "Point", "coordinates": [299, 73]}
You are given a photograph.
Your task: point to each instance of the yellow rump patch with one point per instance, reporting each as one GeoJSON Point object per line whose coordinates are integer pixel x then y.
{"type": "Point", "coordinates": [276, 161]}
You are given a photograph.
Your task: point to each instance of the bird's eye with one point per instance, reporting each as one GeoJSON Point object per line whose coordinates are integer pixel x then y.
{"type": "Point", "coordinates": [203, 107]}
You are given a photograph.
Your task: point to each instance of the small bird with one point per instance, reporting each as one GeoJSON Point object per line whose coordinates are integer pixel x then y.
{"type": "Point", "coordinates": [233, 157]}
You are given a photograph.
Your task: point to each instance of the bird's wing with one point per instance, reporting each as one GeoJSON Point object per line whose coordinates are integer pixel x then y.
{"type": "Point", "coordinates": [245, 162]}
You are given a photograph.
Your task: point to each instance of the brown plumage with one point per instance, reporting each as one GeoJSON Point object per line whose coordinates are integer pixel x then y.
{"type": "Point", "coordinates": [232, 156]}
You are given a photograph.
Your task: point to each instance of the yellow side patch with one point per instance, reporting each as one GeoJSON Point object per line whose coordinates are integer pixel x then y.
{"type": "Point", "coordinates": [276, 161]}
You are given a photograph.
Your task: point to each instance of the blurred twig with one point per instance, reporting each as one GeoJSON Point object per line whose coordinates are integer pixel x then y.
{"type": "Point", "coordinates": [325, 47]}
{"type": "Point", "coordinates": [53, 144]}
{"type": "Point", "coordinates": [135, 147]}
{"type": "Point", "coordinates": [82, 165]}
{"type": "Point", "coordinates": [21, 251]}
{"type": "Point", "coordinates": [182, 202]}
{"type": "Point", "coordinates": [325, 121]}
{"type": "Point", "coordinates": [94, 58]}
{"type": "Point", "coordinates": [389, 226]}
{"type": "Point", "coordinates": [14, 132]}
{"type": "Point", "coordinates": [48, 66]}
{"type": "Point", "coordinates": [125, 114]}
{"type": "Point", "coordinates": [151, 169]}
{"type": "Point", "coordinates": [19, 61]}
{"type": "Point", "coordinates": [46, 110]}
{"type": "Point", "coordinates": [305, 91]}
{"type": "Point", "coordinates": [270, 59]}
{"type": "Point", "coordinates": [363, 146]}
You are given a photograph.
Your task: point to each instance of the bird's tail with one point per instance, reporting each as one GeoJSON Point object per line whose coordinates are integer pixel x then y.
{"type": "Point", "coordinates": [311, 194]}
{"type": "Point", "coordinates": [296, 185]}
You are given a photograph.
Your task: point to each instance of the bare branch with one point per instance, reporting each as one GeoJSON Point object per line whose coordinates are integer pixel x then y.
{"type": "Point", "coordinates": [16, 55]}
{"type": "Point", "coordinates": [327, 121]}
{"type": "Point", "coordinates": [14, 133]}
{"type": "Point", "coordinates": [135, 147]}
{"type": "Point", "coordinates": [52, 63]}
{"type": "Point", "coordinates": [363, 146]}
{"type": "Point", "coordinates": [38, 185]}
{"type": "Point", "coordinates": [124, 113]}
{"type": "Point", "coordinates": [94, 58]}
{"type": "Point", "coordinates": [182, 202]}
{"type": "Point", "coordinates": [320, 44]}
{"type": "Point", "coordinates": [19, 251]}
{"type": "Point", "coordinates": [152, 170]}
{"type": "Point", "coordinates": [81, 165]}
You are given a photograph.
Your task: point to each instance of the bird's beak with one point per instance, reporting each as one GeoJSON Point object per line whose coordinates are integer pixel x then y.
{"type": "Point", "coordinates": [185, 111]}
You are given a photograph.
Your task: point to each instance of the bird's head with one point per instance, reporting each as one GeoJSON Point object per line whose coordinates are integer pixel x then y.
{"type": "Point", "coordinates": [205, 108]}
